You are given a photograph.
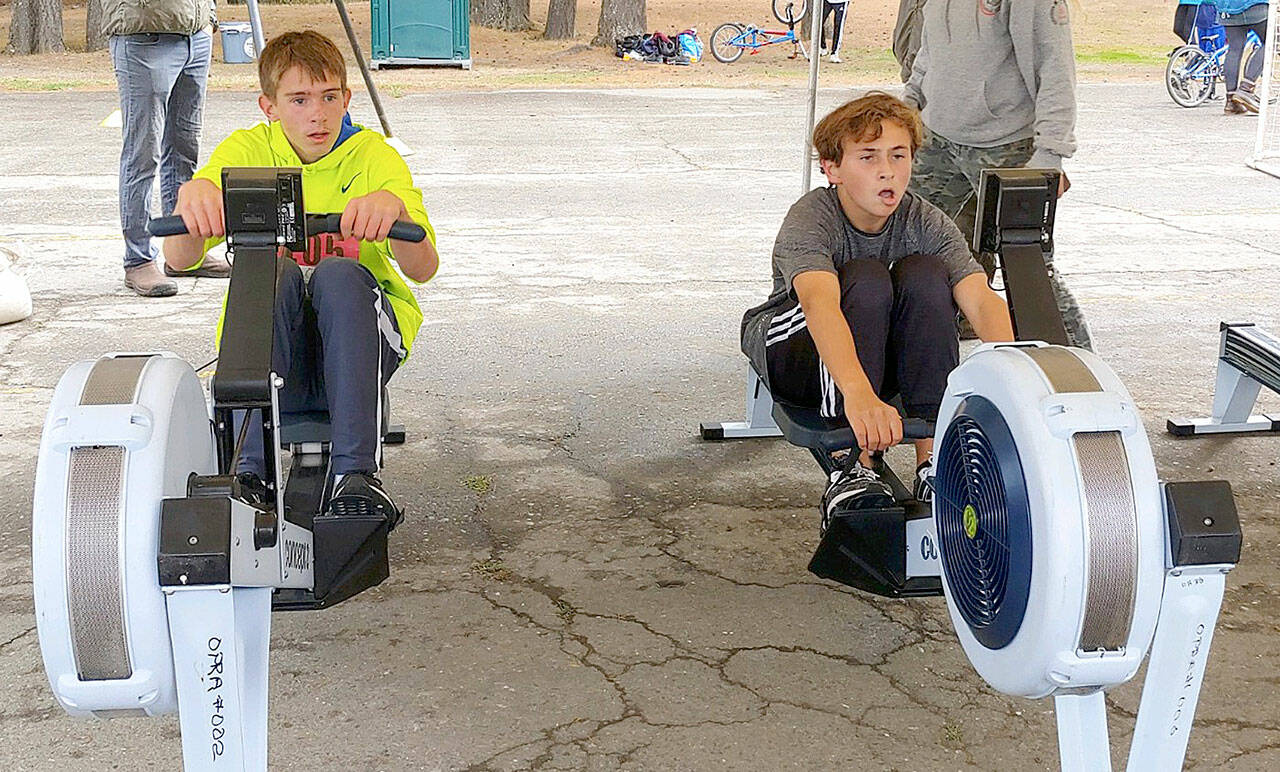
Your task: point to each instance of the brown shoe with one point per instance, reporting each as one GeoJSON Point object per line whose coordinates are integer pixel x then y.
{"type": "Point", "coordinates": [213, 267]}
{"type": "Point", "coordinates": [1231, 108]}
{"type": "Point", "coordinates": [147, 281]}
{"type": "Point", "coordinates": [1247, 101]}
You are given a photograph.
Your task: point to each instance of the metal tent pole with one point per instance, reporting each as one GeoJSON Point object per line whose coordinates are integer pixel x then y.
{"type": "Point", "coordinates": [400, 147]}
{"type": "Point", "coordinates": [815, 43]}
{"type": "Point", "coordinates": [759, 408]}
{"type": "Point", "coordinates": [255, 22]}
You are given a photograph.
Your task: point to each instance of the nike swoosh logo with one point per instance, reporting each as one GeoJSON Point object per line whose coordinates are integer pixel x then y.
{"type": "Point", "coordinates": [353, 179]}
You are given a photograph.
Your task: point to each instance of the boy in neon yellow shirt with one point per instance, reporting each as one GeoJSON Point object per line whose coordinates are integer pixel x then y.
{"type": "Point", "coordinates": [343, 330]}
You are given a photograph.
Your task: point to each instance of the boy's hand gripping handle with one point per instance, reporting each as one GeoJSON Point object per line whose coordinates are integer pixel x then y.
{"type": "Point", "coordinates": [316, 223]}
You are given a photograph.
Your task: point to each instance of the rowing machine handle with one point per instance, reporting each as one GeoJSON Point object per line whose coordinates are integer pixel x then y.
{"type": "Point", "coordinates": [166, 226]}
{"type": "Point", "coordinates": [332, 223]}
{"type": "Point", "coordinates": [917, 429]}
{"type": "Point", "coordinates": [316, 223]}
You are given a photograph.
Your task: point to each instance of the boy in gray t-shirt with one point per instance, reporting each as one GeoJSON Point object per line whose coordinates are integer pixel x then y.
{"type": "Point", "coordinates": [866, 281]}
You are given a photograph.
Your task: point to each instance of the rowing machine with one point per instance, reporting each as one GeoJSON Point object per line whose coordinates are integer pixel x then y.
{"type": "Point", "coordinates": [155, 567]}
{"type": "Point", "coordinates": [1063, 559]}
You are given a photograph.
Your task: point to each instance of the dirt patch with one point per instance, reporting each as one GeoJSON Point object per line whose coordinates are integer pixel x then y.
{"type": "Point", "coordinates": [1114, 41]}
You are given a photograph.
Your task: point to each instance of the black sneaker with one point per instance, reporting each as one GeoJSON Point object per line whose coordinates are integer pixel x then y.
{"type": "Point", "coordinates": [249, 487]}
{"type": "Point", "coordinates": [852, 488]}
{"type": "Point", "coordinates": [922, 490]}
{"type": "Point", "coordinates": [361, 495]}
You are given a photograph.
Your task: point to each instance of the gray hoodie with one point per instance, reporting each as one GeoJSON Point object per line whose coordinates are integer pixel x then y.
{"type": "Point", "coordinates": [991, 72]}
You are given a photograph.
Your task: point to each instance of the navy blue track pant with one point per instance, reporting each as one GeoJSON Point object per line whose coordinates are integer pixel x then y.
{"type": "Point", "coordinates": [336, 343]}
{"type": "Point", "coordinates": [904, 328]}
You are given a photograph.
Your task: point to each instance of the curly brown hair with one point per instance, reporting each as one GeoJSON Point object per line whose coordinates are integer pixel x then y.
{"type": "Point", "coordinates": [314, 53]}
{"type": "Point", "coordinates": [861, 120]}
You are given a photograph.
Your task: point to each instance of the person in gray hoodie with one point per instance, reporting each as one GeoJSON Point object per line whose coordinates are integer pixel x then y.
{"type": "Point", "coordinates": [995, 82]}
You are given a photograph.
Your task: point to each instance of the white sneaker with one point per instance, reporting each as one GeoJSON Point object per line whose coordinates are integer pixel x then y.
{"type": "Point", "coordinates": [922, 489]}
{"type": "Point", "coordinates": [835, 59]}
{"type": "Point", "coordinates": [852, 488]}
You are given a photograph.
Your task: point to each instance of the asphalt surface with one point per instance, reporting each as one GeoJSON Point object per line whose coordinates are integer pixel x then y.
{"type": "Point", "coordinates": [581, 583]}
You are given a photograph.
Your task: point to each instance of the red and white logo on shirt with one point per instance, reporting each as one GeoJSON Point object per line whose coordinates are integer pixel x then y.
{"type": "Point", "coordinates": [324, 245]}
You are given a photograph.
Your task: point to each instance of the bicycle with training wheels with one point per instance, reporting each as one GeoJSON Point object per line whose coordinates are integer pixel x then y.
{"type": "Point", "coordinates": [1195, 69]}
{"type": "Point", "coordinates": [732, 38]}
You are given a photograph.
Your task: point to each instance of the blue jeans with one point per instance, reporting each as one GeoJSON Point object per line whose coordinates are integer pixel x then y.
{"type": "Point", "coordinates": [161, 78]}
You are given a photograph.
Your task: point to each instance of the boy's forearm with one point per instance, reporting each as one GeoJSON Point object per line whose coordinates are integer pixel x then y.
{"type": "Point", "coordinates": [182, 252]}
{"type": "Point", "coordinates": [819, 295]}
{"type": "Point", "coordinates": [834, 341]}
{"type": "Point", "coordinates": [993, 324]}
{"type": "Point", "coordinates": [418, 261]}
{"type": "Point", "coordinates": [985, 310]}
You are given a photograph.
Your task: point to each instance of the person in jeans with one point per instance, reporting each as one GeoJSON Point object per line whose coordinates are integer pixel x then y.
{"type": "Point", "coordinates": [996, 86]}
{"type": "Point", "coordinates": [160, 50]}
{"type": "Point", "coordinates": [1238, 17]}
{"type": "Point", "coordinates": [867, 278]}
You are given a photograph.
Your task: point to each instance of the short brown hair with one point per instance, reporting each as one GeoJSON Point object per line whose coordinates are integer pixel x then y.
{"type": "Point", "coordinates": [313, 52]}
{"type": "Point", "coordinates": [861, 120]}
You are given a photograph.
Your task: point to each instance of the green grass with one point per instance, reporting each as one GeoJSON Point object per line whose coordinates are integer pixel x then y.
{"type": "Point", "coordinates": [32, 84]}
{"type": "Point", "coordinates": [564, 610]}
{"type": "Point", "coordinates": [480, 483]}
{"type": "Point", "coordinates": [491, 568]}
{"type": "Point", "coordinates": [952, 734]}
{"type": "Point", "coordinates": [1121, 56]}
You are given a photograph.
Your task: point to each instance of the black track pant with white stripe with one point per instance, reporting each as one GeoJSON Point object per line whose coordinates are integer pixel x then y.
{"type": "Point", "coordinates": [904, 327]}
{"type": "Point", "coordinates": [336, 343]}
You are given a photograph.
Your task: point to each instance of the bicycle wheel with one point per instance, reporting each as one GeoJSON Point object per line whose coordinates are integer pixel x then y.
{"type": "Point", "coordinates": [789, 11]}
{"type": "Point", "coordinates": [722, 42]}
{"type": "Point", "coordinates": [1189, 76]}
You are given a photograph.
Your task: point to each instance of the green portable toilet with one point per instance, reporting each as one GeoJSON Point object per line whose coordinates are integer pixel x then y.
{"type": "Point", "coordinates": [421, 32]}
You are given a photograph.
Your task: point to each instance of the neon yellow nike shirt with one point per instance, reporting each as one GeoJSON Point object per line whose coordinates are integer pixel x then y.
{"type": "Point", "coordinates": [360, 165]}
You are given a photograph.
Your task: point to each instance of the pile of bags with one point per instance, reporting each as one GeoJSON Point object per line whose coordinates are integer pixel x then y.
{"type": "Point", "coordinates": [685, 48]}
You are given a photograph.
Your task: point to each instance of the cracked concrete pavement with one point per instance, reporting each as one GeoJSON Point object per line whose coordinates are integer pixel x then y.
{"type": "Point", "coordinates": [580, 582]}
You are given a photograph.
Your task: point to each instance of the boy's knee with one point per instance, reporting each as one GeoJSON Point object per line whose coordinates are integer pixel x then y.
{"type": "Point", "coordinates": [289, 279]}
{"type": "Point", "coordinates": [867, 284]}
{"type": "Point", "coordinates": [287, 270]}
{"type": "Point", "coordinates": [338, 277]}
{"type": "Point", "coordinates": [922, 279]}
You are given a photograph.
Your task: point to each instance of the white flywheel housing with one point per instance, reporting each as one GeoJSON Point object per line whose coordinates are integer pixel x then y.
{"type": "Point", "coordinates": [1049, 519]}
{"type": "Point", "coordinates": [123, 432]}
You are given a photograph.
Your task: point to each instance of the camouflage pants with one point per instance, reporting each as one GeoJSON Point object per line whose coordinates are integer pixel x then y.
{"type": "Point", "coordinates": [947, 174]}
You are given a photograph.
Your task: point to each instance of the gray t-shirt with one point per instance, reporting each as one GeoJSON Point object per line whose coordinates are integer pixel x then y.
{"type": "Point", "coordinates": [817, 236]}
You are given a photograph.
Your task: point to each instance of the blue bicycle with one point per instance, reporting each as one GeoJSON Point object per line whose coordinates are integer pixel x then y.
{"type": "Point", "coordinates": [732, 38]}
{"type": "Point", "coordinates": [1194, 70]}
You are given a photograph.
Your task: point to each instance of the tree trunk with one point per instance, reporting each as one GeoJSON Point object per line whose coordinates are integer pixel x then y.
{"type": "Point", "coordinates": [561, 15]}
{"type": "Point", "coordinates": [512, 15]}
{"type": "Point", "coordinates": [36, 27]}
{"type": "Point", "coordinates": [619, 18]}
{"type": "Point", "coordinates": [94, 39]}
